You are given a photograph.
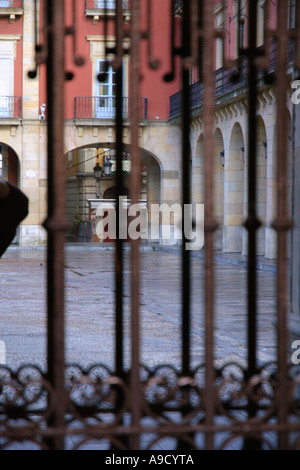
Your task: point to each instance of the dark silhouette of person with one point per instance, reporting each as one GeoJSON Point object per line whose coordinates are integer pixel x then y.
{"type": "Point", "coordinates": [13, 209]}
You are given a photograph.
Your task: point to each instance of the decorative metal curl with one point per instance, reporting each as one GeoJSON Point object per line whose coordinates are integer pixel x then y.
{"type": "Point", "coordinates": [41, 50]}
{"type": "Point", "coordinates": [93, 391]}
{"type": "Point", "coordinates": [234, 390]}
{"type": "Point", "coordinates": [24, 395]}
{"type": "Point", "coordinates": [166, 391]}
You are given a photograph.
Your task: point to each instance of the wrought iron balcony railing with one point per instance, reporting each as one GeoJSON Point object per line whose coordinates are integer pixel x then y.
{"type": "Point", "coordinates": [224, 84]}
{"type": "Point", "coordinates": [10, 107]}
{"type": "Point", "coordinates": [104, 107]}
{"type": "Point", "coordinates": [11, 4]}
{"type": "Point", "coordinates": [102, 4]}
{"type": "Point", "coordinates": [178, 7]}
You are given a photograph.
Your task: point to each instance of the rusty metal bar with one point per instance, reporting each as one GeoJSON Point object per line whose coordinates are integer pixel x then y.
{"type": "Point", "coordinates": [56, 223]}
{"type": "Point", "coordinates": [297, 38]}
{"type": "Point", "coordinates": [210, 223]}
{"type": "Point", "coordinates": [185, 162]}
{"type": "Point", "coordinates": [152, 61]}
{"type": "Point", "coordinates": [168, 77]}
{"type": "Point", "coordinates": [282, 222]}
{"type": "Point", "coordinates": [118, 65]}
{"type": "Point", "coordinates": [252, 223]}
{"type": "Point", "coordinates": [135, 391]}
{"type": "Point", "coordinates": [52, 431]}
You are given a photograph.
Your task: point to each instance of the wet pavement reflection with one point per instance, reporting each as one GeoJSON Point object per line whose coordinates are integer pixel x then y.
{"type": "Point", "coordinates": [89, 294]}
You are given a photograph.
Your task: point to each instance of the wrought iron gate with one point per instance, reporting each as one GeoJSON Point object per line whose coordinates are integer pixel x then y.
{"type": "Point", "coordinates": [191, 404]}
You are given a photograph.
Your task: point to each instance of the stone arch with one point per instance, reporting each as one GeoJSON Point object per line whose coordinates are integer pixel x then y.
{"type": "Point", "coordinates": [261, 182]}
{"type": "Point", "coordinates": [151, 187]}
{"type": "Point", "coordinates": [198, 172]}
{"type": "Point", "coordinates": [10, 171]}
{"type": "Point", "coordinates": [112, 192]}
{"type": "Point", "coordinates": [81, 184]}
{"type": "Point", "coordinates": [9, 164]}
{"type": "Point", "coordinates": [219, 156]}
{"type": "Point", "coordinates": [271, 236]}
{"type": "Point", "coordinates": [234, 191]}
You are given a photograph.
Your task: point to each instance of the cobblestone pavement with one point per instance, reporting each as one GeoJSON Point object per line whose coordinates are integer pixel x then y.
{"type": "Point", "coordinates": [90, 308]}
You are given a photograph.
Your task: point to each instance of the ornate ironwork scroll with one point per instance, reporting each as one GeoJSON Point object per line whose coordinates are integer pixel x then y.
{"type": "Point", "coordinates": [202, 407]}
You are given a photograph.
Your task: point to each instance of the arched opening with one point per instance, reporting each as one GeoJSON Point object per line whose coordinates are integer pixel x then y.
{"type": "Point", "coordinates": [261, 182]}
{"type": "Point", "coordinates": [219, 155]}
{"type": "Point", "coordinates": [272, 193]}
{"type": "Point", "coordinates": [112, 193]}
{"type": "Point", "coordinates": [234, 193]}
{"type": "Point", "coordinates": [9, 164]}
{"type": "Point", "coordinates": [198, 172]}
{"type": "Point", "coordinates": [84, 193]}
{"type": "Point", "coordinates": [10, 171]}
{"type": "Point", "coordinates": [151, 190]}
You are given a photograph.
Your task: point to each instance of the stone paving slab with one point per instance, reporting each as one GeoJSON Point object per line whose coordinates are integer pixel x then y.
{"type": "Point", "coordinates": [89, 293]}
{"type": "Point", "coordinates": [90, 308]}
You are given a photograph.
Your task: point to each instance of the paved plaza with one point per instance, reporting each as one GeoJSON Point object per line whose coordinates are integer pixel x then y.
{"type": "Point", "coordinates": [89, 294]}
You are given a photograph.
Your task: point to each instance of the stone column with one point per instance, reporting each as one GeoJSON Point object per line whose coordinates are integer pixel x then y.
{"type": "Point", "coordinates": [34, 155]}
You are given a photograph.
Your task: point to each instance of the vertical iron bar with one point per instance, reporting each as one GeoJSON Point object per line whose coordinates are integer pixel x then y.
{"type": "Point", "coordinates": [210, 223]}
{"type": "Point", "coordinates": [297, 38]}
{"type": "Point", "coordinates": [252, 223]}
{"type": "Point", "coordinates": [56, 223]}
{"type": "Point", "coordinates": [119, 184]}
{"type": "Point", "coordinates": [185, 161]}
{"type": "Point", "coordinates": [185, 196]}
{"type": "Point", "coordinates": [168, 77]}
{"type": "Point", "coordinates": [283, 223]}
{"type": "Point", "coordinates": [134, 193]}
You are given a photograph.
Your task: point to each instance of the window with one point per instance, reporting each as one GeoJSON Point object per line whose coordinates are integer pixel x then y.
{"type": "Point", "coordinates": [292, 14]}
{"type": "Point", "coordinates": [260, 22]}
{"type": "Point", "coordinates": [6, 73]}
{"type": "Point", "coordinates": [239, 26]}
{"type": "Point", "coordinates": [106, 92]}
{"type": "Point", "coordinates": [6, 76]}
{"type": "Point", "coordinates": [219, 23]}
{"type": "Point", "coordinates": [3, 164]}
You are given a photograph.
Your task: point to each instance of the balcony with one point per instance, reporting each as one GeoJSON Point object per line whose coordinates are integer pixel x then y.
{"type": "Point", "coordinates": [225, 87]}
{"type": "Point", "coordinates": [10, 107]}
{"type": "Point", "coordinates": [104, 107]}
{"type": "Point", "coordinates": [98, 8]}
{"type": "Point", "coordinates": [178, 5]}
{"type": "Point", "coordinates": [11, 8]}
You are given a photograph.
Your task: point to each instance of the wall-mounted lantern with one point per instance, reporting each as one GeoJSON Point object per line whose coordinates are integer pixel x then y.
{"type": "Point", "coordinates": [222, 157]}
{"type": "Point", "coordinates": [243, 154]}
{"type": "Point", "coordinates": [97, 175]}
{"type": "Point", "coordinates": [97, 172]}
{"type": "Point", "coordinates": [107, 164]}
{"type": "Point", "coordinates": [266, 147]}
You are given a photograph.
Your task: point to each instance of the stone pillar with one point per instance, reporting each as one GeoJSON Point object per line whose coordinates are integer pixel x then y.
{"type": "Point", "coordinates": [271, 202]}
{"type": "Point", "coordinates": [30, 86]}
{"type": "Point", "coordinates": [33, 177]}
{"type": "Point", "coordinates": [234, 193]}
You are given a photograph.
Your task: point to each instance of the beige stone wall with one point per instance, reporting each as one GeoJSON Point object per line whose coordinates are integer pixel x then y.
{"type": "Point", "coordinates": [230, 181]}
{"type": "Point", "coordinates": [161, 152]}
{"type": "Point", "coordinates": [30, 86]}
{"type": "Point", "coordinates": [160, 145]}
